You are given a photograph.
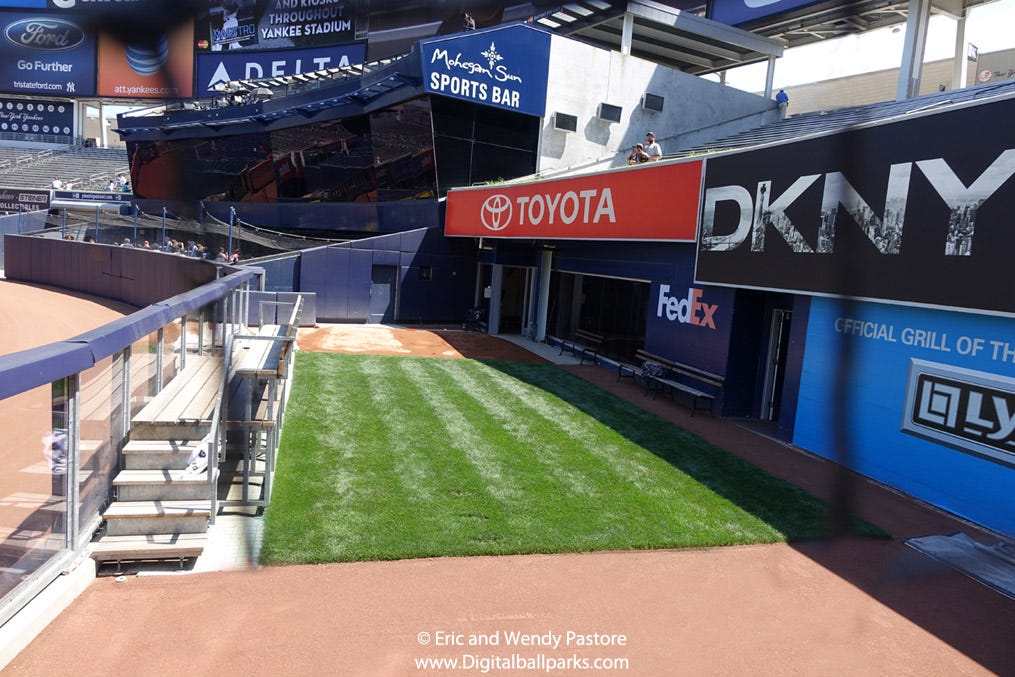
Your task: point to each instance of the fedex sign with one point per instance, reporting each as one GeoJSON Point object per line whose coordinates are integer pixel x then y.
{"type": "Point", "coordinates": [686, 310]}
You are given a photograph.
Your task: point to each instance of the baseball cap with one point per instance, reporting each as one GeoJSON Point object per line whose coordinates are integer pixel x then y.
{"type": "Point", "coordinates": [650, 133]}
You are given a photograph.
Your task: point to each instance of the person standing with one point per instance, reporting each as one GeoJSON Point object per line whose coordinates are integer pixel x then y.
{"type": "Point", "coordinates": [637, 155]}
{"type": "Point", "coordinates": [652, 148]}
{"type": "Point", "coordinates": [782, 98]}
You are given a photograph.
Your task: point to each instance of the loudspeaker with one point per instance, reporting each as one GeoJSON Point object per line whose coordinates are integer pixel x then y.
{"type": "Point", "coordinates": [652, 102]}
{"type": "Point", "coordinates": [609, 112]}
{"type": "Point", "coordinates": [565, 122]}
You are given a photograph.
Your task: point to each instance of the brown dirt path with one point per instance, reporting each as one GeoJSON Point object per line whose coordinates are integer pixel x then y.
{"type": "Point", "coordinates": [841, 608]}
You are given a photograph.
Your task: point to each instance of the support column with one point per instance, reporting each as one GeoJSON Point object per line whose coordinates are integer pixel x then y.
{"type": "Point", "coordinates": [960, 67]}
{"type": "Point", "coordinates": [496, 288]}
{"type": "Point", "coordinates": [769, 77]}
{"type": "Point", "coordinates": [627, 33]}
{"type": "Point", "coordinates": [912, 53]}
{"type": "Point", "coordinates": [542, 306]}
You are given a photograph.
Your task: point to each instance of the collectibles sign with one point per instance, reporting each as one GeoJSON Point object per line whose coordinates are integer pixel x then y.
{"type": "Point", "coordinates": [216, 69]}
{"type": "Point", "coordinates": [46, 54]}
{"type": "Point", "coordinates": [604, 206]}
{"type": "Point", "coordinates": [274, 24]}
{"type": "Point", "coordinates": [28, 116]}
{"type": "Point", "coordinates": [897, 212]}
{"type": "Point", "coordinates": [503, 67]}
{"type": "Point", "coordinates": [21, 200]}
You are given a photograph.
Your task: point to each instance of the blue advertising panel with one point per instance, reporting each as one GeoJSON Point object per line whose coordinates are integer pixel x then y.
{"type": "Point", "coordinates": [268, 24]}
{"type": "Point", "coordinates": [25, 4]}
{"type": "Point", "coordinates": [31, 116]}
{"type": "Point", "coordinates": [736, 12]}
{"type": "Point", "coordinates": [224, 67]}
{"type": "Point", "coordinates": [47, 54]}
{"type": "Point", "coordinates": [689, 322]}
{"type": "Point", "coordinates": [505, 67]}
{"type": "Point", "coordinates": [929, 400]}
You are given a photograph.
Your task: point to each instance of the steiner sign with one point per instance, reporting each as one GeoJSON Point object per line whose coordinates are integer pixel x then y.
{"type": "Point", "coordinates": [646, 203]}
{"type": "Point", "coordinates": [503, 67]}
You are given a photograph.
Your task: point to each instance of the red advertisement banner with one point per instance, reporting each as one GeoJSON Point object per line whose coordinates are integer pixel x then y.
{"type": "Point", "coordinates": [653, 202]}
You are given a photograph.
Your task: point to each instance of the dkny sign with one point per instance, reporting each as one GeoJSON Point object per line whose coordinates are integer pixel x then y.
{"type": "Point", "coordinates": [916, 211]}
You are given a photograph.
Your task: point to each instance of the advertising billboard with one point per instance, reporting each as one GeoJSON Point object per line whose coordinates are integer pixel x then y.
{"type": "Point", "coordinates": [32, 116]}
{"type": "Point", "coordinates": [615, 205]}
{"type": "Point", "coordinates": [928, 397]}
{"type": "Point", "coordinates": [242, 25]}
{"type": "Point", "coordinates": [22, 200]}
{"type": "Point", "coordinates": [736, 12]}
{"type": "Point", "coordinates": [215, 69]}
{"type": "Point", "coordinates": [895, 212]}
{"type": "Point", "coordinates": [504, 67]}
{"type": "Point", "coordinates": [48, 54]}
{"type": "Point", "coordinates": [161, 71]}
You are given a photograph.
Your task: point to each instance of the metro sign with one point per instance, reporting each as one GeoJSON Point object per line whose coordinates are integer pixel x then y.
{"type": "Point", "coordinates": [617, 205]}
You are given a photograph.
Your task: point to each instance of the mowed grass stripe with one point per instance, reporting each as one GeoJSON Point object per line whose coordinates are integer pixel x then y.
{"type": "Point", "coordinates": [395, 457]}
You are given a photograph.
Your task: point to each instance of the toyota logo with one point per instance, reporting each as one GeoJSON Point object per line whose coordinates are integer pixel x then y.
{"type": "Point", "coordinates": [496, 212]}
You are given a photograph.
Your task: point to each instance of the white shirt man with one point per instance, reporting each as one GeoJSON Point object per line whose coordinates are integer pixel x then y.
{"type": "Point", "coordinates": [653, 149]}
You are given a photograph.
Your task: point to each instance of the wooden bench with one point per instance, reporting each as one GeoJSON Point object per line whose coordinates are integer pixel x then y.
{"type": "Point", "coordinates": [184, 408]}
{"type": "Point", "coordinates": [585, 344]}
{"type": "Point", "coordinates": [661, 374]}
{"type": "Point", "coordinates": [256, 392]}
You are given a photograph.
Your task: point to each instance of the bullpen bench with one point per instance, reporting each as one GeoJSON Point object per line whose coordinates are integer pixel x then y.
{"type": "Point", "coordinates": [585, 344]}
{"type": "Point", "coordinates": [661, 374]}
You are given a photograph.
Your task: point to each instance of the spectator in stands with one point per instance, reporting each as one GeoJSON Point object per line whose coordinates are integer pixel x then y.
{"type": "Point", "coordinates": [468, 23]}
{"type": "Point", "coordinates": [112, 186]}
{"type": "Point", "coordinates": [235, 258]}
{"type": "Point", "coordinates": [638, 155]}
{"type": "Point", "coordinates": [89, 238]}
{"type": "Point", "coordinates": [653, 149]}
{"type": "Point", "coordinates": [57, 183]}
{"type": "Point", "coordinates": [222, 256]}
{"type": "Point", "coordinates": [121, 181]}
{"type": "Point", "coordinates": [127, 243]}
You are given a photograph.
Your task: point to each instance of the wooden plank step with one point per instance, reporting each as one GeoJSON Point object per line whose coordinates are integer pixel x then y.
{"type": "Point", "coordinates": [189, 396]}
{"type": "Point", "coordinates": [158, 454]}
{"type": "Point", "coordinates": [148, 546]}
{"type": "Point", "coordinates": [125, 518]}
{"type": "Point", "coordinates": [161, 484]}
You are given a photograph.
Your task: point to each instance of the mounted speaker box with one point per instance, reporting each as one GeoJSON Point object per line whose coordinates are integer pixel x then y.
{"type": "Point", "coordinates": [652, 102]}
{"type": "Point", "coordinates": [565, 122]}
{"type": "Point", "coordinates": [609, 112]}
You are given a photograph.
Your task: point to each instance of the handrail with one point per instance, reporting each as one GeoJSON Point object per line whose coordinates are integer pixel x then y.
{"type": "Point", "coordinates": [217, 440]}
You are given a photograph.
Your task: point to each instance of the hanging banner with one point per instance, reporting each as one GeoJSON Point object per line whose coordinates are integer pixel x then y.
{"type": "Point", "coordinates": [651, 202]}
{"type": "Point", "coordinates": [235, 25]}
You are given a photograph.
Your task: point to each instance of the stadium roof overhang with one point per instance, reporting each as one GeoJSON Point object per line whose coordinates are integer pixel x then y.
{"type": "Point", "coordinates": [685, 40]}
{"type": "Point", "coordinates": [678, 39]}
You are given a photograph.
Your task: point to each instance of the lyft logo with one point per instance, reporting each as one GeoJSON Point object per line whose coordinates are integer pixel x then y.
{"type": "Point", "coordinates": [688, 310]}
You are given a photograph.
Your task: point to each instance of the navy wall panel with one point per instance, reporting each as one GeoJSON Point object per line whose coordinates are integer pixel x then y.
{"type": "Point", "coordinates": [360, 276]}
{"type": "Point", "coordinates": [794, 365]}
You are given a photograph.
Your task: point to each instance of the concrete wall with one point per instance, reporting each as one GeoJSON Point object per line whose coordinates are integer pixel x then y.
{"type": "Point", "coordinates": [696, 110]}
{"type": "Point", "coordinates": [877, 86]}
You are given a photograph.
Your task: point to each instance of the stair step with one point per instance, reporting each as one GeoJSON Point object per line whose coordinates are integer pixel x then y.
{"type": "Point", "coordinates": [126, 518]}
{"type": "Point", "coordinates": [148, 546]}
{"type": "Point", "coordinates": [163, 484]}
{"type": "Point", "coordinates": [158, 454]}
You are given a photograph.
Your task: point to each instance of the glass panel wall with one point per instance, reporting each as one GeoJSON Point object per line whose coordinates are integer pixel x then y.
{"type": "Point", "coordinates": [382, 156]}
{"type": "Point", "coordinates": [33, 481]}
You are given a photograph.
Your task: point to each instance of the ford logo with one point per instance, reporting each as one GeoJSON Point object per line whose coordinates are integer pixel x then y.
{"type": "Point", "coordinates": [52, 35]}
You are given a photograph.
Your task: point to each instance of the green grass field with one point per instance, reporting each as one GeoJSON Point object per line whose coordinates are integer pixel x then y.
{"type": "Point", "coordinates": [401, 457]}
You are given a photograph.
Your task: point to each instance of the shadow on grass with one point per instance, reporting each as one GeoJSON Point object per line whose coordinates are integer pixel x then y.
{"type": "Point", "coordinates": [795, 513]}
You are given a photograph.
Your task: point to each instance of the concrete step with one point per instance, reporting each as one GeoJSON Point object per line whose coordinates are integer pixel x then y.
{"type": "Point", "coordinates": [134, 518]}
{"type": "Point", "coordinates": [148, 547]}
{"type": "Point", "coordinates": [161, 485]}
{"type": "Point", "coordinates": [158, 454]}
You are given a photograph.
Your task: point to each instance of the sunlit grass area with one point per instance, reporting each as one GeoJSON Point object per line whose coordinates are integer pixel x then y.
{"type": "Point", "coordinates": [401, 457]}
